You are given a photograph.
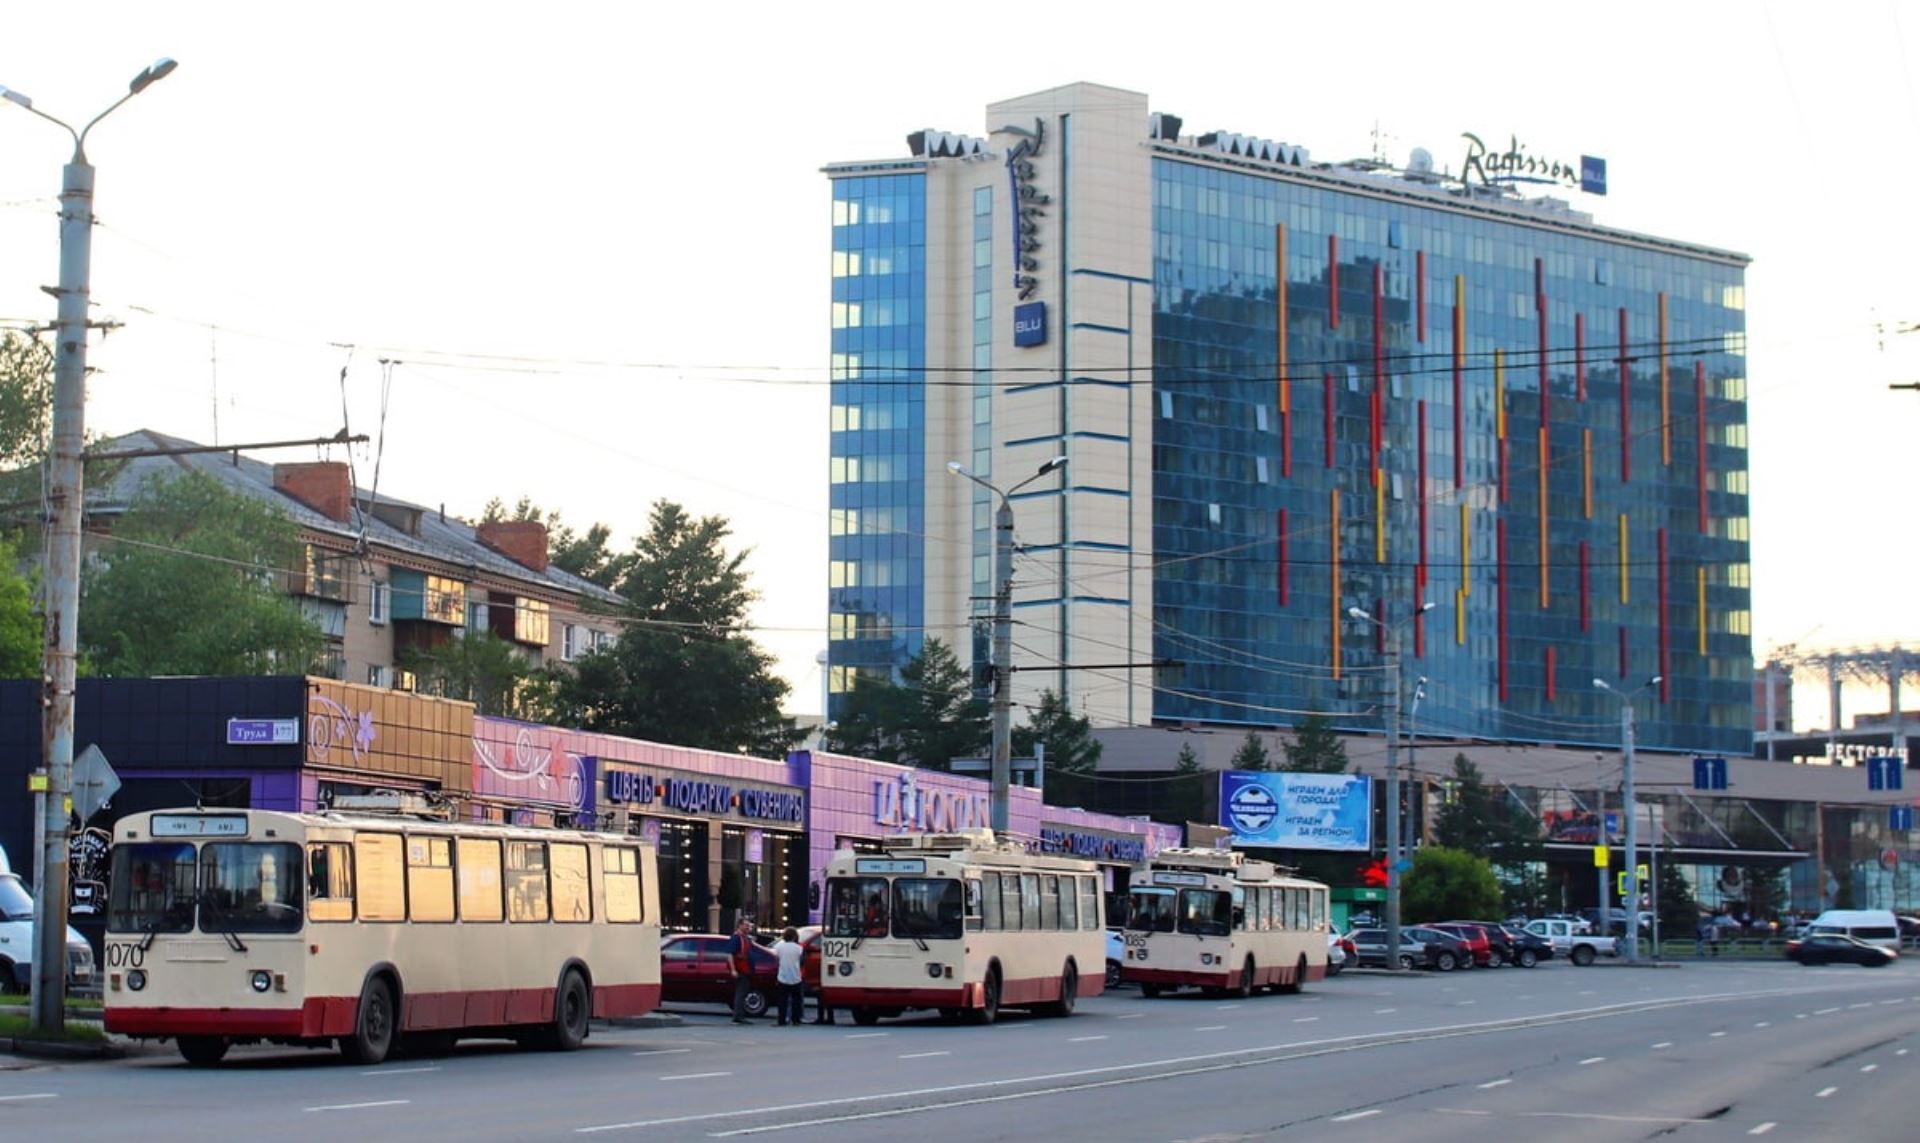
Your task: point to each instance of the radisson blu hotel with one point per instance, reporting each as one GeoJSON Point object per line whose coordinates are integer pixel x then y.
{"type": "Point", "coordinates": [1313, 414]}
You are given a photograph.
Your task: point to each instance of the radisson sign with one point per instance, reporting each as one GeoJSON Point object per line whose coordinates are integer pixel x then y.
{"type": "Point", "coordinates": [1515, 165]}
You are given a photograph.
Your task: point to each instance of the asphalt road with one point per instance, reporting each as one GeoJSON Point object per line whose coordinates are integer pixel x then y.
{"type": "Point", "coordinates": [1699, 1051]}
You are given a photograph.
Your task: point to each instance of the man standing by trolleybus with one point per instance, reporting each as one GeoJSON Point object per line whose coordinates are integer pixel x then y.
{"type": "Point", "coordinates": [740, 959]}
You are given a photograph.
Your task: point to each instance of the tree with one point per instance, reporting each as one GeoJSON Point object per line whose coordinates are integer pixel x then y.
{"type": "Point", "coordinates": [1252, 755]}
{"type": "Point", "coordinates": [1448, 883]}
{"type": "Point", "coordinates": [21, 630]}
{"type": "Point", "coordinates": [26, 414]}
{"type": "Point", "coordinates": [584, 554]}
{"type": "Point", "coordinates": [1187, 797]}
{"type": "Point", "coordinates": [1482, 820]}
{"type": "Point", "coordinates": [485, 670]}
{"type": "Point", "coordinates": [927, 719]}
{"type": "Point", "coordinates": [1315, 748]}
{"type": "Point", "coordinates": [1068, 737]}
{"type": "Point", "coordinates": [868, 723]}
{"type": "Point", "coordinates": [188, 583]}
{"type": "Point", "coordinates": [684, 671]}
{"type": "Point", "coordinates": [1679, 912]}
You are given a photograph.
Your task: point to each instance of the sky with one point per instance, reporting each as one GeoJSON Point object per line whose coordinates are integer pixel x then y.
{"type": "Point", "coordinates": [590, 241]}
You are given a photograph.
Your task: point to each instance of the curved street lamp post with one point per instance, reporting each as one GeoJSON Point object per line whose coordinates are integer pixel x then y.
{"type": "Point", "coordinates": [1631, 804]}
{"type": "Point", "coordinates": [1391, 632]}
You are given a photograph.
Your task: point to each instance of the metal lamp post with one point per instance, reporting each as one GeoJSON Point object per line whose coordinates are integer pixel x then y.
{"type": "Point", "coordinates": [63, 548]}
{"type": "Point", "coordinates": [1003, 631]}
{"type": "Point", "coordinates": [1392, 634]}
{"type": "Point", "coordinates": [1632, 807]}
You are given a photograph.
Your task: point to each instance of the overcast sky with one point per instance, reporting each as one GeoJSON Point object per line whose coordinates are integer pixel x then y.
{"type": "Point", "coordinates": [595, 236]}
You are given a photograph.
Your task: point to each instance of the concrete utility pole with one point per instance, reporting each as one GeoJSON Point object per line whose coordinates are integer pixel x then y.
{"type": "Point", "coordinates": [1003, 632]}
{"type": "Point", "coordinates": [64, 491]}
{"type": "Point", "coordinates": [1632, 808]}
{"type": "Point", "coordinates": [1394, 851]}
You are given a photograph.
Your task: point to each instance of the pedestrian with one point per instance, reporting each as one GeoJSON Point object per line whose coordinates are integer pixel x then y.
{"type": "Point", "coordinates": [788, 952]}
{"type": "Point", "coordinates": [1702, 932]}
{"type": "Point", "coordinates": [740, 961]}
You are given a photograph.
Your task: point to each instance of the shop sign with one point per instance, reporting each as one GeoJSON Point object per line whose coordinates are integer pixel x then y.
{"type": "Point", "coordinates": [704, 797]}
{"type": "Point", "coordinates": [1098, 847]}
{"type": "Point", "coordinates": [1515, 165]}
{"type": "Point", "coordinates": [1028, 203]}
{"type": "Point", "coordinates": [902, 804]}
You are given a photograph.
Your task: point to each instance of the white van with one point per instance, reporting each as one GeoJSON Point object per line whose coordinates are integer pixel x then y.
{"type": "Point", "coordinates": [1874, 926]}
{"type": "Point", "coordinates": [16, 938]}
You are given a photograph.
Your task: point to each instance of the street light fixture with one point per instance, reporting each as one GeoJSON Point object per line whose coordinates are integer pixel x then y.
{"type": "Point", "coordinates": [64, 491]}
{"type": "Point", "coordinates": [1392, 634]}
{"type": "Point", "coordinates": [1003, 631]}
{"type": "Point", "coordinates": [1632, 806]}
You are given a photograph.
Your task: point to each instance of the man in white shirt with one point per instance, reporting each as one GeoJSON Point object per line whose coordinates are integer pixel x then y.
{"type": "Point", "coordinates": [792, 996]}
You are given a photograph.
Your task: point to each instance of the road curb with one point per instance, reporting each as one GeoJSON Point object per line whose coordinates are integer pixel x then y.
{"type": "Point", "coordinates": [61, 1049]}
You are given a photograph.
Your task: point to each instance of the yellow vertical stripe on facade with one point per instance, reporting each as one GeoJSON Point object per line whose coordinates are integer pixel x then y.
{"type": "Point", "coordinates": [1544, 590]}
{"type": "Point", "coordinates": [1623, 557]}
{"type": "Point", "coordinates": [1280, 275]}
{"type": "Point", "coordinates": [1334, 515]}
{"type": "Point", "coordinates": [1499, 395]}
{"type": "Point", "coordinates": [1459, 617]}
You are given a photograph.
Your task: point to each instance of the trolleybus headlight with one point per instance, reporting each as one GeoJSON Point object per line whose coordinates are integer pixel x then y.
{"type": "Point", "coordinates": [262, 980]}
{"type": "Point", "coordinates": [137, 979]}
{"type": "Point", "coordinates": [933, 970]}
{"type": "Point", "coordinates": [846, 968]}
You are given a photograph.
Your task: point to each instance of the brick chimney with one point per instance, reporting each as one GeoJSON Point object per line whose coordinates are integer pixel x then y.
{"type": "Point", "coordinates": [322, 486]}
{"type": "Point", "coordinates": [522, 541]}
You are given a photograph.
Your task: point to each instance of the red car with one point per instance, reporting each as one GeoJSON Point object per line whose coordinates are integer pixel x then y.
{"type": "Point", "coordinates": [694, 969]}
{"type": "Point", "coordinates": [1478, 943]}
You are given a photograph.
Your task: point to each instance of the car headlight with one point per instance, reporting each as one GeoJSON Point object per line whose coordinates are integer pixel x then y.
{"type": "Point", "coordinates": [262, 980]}
{"type": "Point", "coordinates": [137, 979]}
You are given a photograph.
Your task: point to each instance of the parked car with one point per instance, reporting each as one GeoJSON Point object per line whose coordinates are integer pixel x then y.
{"type": "Point", "coordinates": [1479, 943]}
{"type": "Point", "coordinates": [1577, 946]}
{"type": "Point", "coordinates": [1444, 951]}
{"type": "Point", "coordinates": [1838, 948]}
{"type": "Point", "coordinates": [1339, 953]}
{"type": "Point", "coordinates": [1419, 948]}
{"type": "Point", "coordinates": [694, 969]}
{"type": "Point", "coordinates": [1527, 948]}
{"type": "Point", "coordinates": [1116, 955]}
{"type": "Point", "coordinates": [1500, 938]}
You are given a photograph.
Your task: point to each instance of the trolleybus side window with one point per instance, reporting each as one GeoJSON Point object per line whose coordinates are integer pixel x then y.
{"type": "Point", "coordinates": [571, 902]}
{"type": "Point", "coordinates": [250, 887]}
{"type": "Point", "coordinates": [974, 923]}
{"type": "Point", "coordinates": [623, 884]}
{"type": "Point", "coordinates": [926, 907]}
{"type": "Point", "coordinates": [990, 917]}
{"type": "Point", "coordinates": [1050, 901]}
{"type": "Point", "coordinates": [527, 880]}
{"type": "Point", "coordinates": [1089, 903]}
{"type": "Point", "coordinates": [479, 872]}
{"type": "Point", "coordinates": [1256, 910]}
{"type": "Point", "coordinates": [329, 881]}
{"type": "Point", "coordinates": [1205, 912]}
{"type": "Point", "coordinates": [1010, 902]}
{"type": "Point", "coordinates": [153, 888]}
{"type": "Point", "coordinates": [1152, 910]}
{"type": "Point", "coordinates": [430, 878]}
{"type": "Point", "coordinates": [377, 859]}
{"type": "Point", "coordinates": [1029, 901]}
{"type": "Point", "coordinates": [1069, 902]}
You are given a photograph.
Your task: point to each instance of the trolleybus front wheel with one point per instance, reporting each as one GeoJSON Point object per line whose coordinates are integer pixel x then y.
{"type": "Point", "coordinates": [866, 1017]}
{"type": "Point", "coordinates": [373, 1027]}
{"type": "Point", "coordinates": [201, 1051]}
{"type": "Point", "coordinates": [989, 1009]}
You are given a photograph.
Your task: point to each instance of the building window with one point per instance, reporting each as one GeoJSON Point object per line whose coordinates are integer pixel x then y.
{"type": "Point", "coordinates": [570, 642]}
{"type": "Point", "coordinates": [532, 622]}
{"type": "Point", "coordinates": [379, 602]}
{"type": "Point", "coordinates": [379, 676]}
{"type": "Point", "coordinates": [444, 600]}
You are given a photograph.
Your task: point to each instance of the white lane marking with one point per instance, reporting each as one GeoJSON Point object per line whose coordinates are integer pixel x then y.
{"type": "Point", "coordinates": [664, 1052]}
{"type": "Point", "coordinates": [1464, 1003]}
{"type": "Point", "coordinates": [696, 1075]}
{"type": "Point", "coordinates": [1491, 1084]}
{"type": "Point", "coordinates": [1824, 1011]}
{"type": "Point", "coordinates": [1900, 1051]}
{"type": "Point", "coordinates": [1225, 1007]}
{"type": "Point", "coordinates": [1305, 1019]}
{"type": "Point", "coordinates": [1895, 1000]}
{"type": "Point", "coordinates": [1763, 1024]}
{"type": "Point", "coordinates": [922, 1055]}
{"type": "Point", "coordinates": [1355, 1115]}
{"type": "Point", "coordinates": [1132, 1016]}
{"type": "Point", "coordinates": [1663, 1044]}
{"type": "Point", "coordinates": [401, 1071]}
{"type": "Point", "coordinates": [1868, 1004]}
{"type": "Point", "coordinates": [1084, 1039]}
{"type": "Point", "coordinates": [1799, 1015]}
{"type": "Point", "coordinates": [1462, 1111]}
{"type": "Point", "coordinates": [1212, 1028]}
{"type": "Point", "coordinates": [31, 1095]}
{"type": "Point", "coordinates": [358, 1106]}
{"type": "Point", "coordinates": [1871, 1068]}
{"type": "Point", "coordinates": [1825, 1092]}
{"type": "Point", "coordinates": [1384, 1011]}
{"type": "Point", "coordinates": [1716, 1035]}
{"type": "Point", "coordinates": [1593, 1060]}
{"type": "Point", "coordinates": [867, 1035]}
{"type": "Point", "coordinates": [1763, 1128]}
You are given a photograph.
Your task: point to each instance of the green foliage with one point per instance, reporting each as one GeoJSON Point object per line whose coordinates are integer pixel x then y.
{"type": "Point", "coordinates": [1484, 820]}
{"type": "Point", "coordinates": [1068, 737]}
{"type": "Point", "coordinates": [869, 719]}
{"type": "Point", "coordinates": [1525, 890]}
{"type": "Point", "coordinates": [483, 669]}
{"type": "Point", "coordinates": [1186, 797]}
{"type": "Point", "coordinates": [1679, 912]}
{"type": "Point", "coordinates": [1252, 755]}
{"type": "Point", "coordinates": [1448, 884]}
{"type": "Point", "coordinates": [21, 629]}
{"type": "Point", "coordinates": [1315, 748]}
{"type": "Point", "coordinates": [929, 718]}
{"type": "Point", "coordinates": [584, 554]}
{"type": "Point", "coordinates": [189, 583]}
{"type": "Point", "coordinates": [684, 671]}
{"type": "Point", "coordinates": [26, 413]}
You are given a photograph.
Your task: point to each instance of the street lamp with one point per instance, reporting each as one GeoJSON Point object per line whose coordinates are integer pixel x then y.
{"type": "Point", "coordinates": [63, 547]}
{"type": "Point", "coordinates": [1633, 813]}
{"type": "Point", "coordinates": [1392, 634]}
{"type": "Point", "coordinates": [1003, 631]}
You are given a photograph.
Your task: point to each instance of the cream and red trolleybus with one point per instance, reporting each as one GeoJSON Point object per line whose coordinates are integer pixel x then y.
{"type": "Point", "coordinates": [1219, 920]}
{"type": "Point", "coordinates": [229, 926]}
{"type": "Point", "coordinates": [961, 922]}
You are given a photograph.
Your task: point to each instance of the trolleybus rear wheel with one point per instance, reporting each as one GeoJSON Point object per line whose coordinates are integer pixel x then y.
{"type": "Point", "coordinates": [201, 1051]}
{"type": "Point", "coordinates": [1069, 990]}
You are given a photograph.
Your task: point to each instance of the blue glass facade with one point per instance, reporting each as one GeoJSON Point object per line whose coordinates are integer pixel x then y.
{"type": "Point", "coordinates": [876, 551]}
{"type": "Point", "coordinates": [1555, 549]}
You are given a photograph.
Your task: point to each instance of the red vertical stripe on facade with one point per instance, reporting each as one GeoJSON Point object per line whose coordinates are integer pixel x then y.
{"type": "Point", "coordinates": [1420, 295]}
{"type": "Point", "coordinates": [1326, 383]}
{"type": "Point", "coordinates": [1282, 571]}
{"type": "Point", "coordinates": [1550, 673]}
{"type": "Point", "coordinates": [1626, 405]}
{"type": "Point", "coordinates": [1286, 443]}
{"type": "Point", "coordinates": [1378, 410]}
{"type": "Point", "coordinates": [1333, 281]}
{"type": "Point", "coordinates": [1500, 599]}
{"type": "Point", "coordinates": [1579, 357]}
{"type": "Point", "coordinates": [1586, 585]}
{"type": "Point", "coordinates": [1623, 650]}
{"type": "Point", "coordinates": [1419, 619]}
{"type": "Point", "coordinates": [1666, 667]}
{"type": "Point", "coordinates": [1503, 469]}
{"type": "Point", "coordinates": [1420, 493]}
{"type": "Point", "coordinates": [1700, 438]}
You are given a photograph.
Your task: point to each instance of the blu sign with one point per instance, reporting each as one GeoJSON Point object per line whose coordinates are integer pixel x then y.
{"type": "Point", "coordinates": [1030, 324]}
{"type": "Point", "coordinates": [704, 798]}
{"type": "Point", "coordinates": [1297, 811]}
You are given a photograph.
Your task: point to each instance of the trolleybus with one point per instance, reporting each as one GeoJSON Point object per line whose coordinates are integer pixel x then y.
{"type": "Point", "coordinates": [238, 926]}
{"type": "Point", "coordinates": [964, 923]}
{"type": "Point", "coordinates": [1218, 920]}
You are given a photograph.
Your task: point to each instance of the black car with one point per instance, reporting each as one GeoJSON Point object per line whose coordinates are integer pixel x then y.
{"type": "Point", "coordinates": [1524, 948]}
{"type": "Point", "coordinates": [1838, 948]}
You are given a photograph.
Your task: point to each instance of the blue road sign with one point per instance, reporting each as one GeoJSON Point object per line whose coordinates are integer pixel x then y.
{"type": "Point", "coordinates": [1709, 773]}
{"type": "Point", "coordinates": [1900, 817]}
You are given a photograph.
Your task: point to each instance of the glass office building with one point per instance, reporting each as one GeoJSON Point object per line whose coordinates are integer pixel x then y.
{"type": "Point", "coordinates": [1513, 440]}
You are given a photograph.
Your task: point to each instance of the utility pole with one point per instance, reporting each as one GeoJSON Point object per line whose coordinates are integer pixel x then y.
{"type": "Point", "coordinates": [1003, 633]}
{"type": "Point", "coordinates": [64, 491]}
{"type": "Point", "coordinates": [1394, 850]}
{"type": "Point", "coordinates": [1632, 808]}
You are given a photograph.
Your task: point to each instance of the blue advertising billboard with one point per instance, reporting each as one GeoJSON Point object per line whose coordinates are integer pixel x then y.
{"type": "Point", "coordinates": [1297, 811]}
